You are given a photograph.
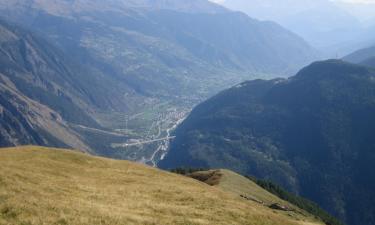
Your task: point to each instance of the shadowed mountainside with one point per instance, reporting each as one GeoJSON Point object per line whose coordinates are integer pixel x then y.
{"type": "Point", "coordinates": [312, 133]}
{"type": "Point", "coordinates": [40, 92]}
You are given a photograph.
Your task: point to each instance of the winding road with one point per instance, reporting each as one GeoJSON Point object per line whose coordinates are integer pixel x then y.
{"type": "Point", "coordinates": [163, 142]}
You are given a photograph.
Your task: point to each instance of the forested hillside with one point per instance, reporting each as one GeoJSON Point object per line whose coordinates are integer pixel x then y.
{"type": "Point", "coordinates": [312, 133]}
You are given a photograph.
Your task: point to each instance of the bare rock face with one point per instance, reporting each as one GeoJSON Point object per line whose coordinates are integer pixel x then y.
{"type": "Point", "coordinates": [211, 177]}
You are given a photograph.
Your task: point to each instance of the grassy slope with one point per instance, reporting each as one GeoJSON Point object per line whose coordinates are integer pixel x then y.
{"type": "Point", "coordinates": [242, 186]}
{"type": "Point", "coordinates": [44, 186]}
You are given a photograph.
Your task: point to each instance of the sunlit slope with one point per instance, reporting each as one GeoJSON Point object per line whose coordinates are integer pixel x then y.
{"type": "Point", "coordinates": [232, 182]}
{"type": "Point", "coordinates": [44, 186]}
{"type": "Point", "coordinates": [237, 184]}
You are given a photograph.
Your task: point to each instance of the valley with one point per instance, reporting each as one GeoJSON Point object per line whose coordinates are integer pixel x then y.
{"type": "Point", "coordinates": [202, 112]}
{"type": "Point", "coordinates": [135, 70]}
{"type": "Point", "coordinates": [151, 145]}
{"type": "Point", "coordinates": [142, 137]}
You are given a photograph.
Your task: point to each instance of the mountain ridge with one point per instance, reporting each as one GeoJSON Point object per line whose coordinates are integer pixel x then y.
{"type": "Point", "coordinates": [360, 55]}
{"type": "Point", "coordinates": [295, 132]}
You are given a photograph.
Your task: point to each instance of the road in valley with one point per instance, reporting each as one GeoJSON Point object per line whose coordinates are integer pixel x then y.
{"type": "Point", "coordinates": [123, 145]}
{"type": "Point", "coordinates": [164, 146]}
{"type": "Point", "coordinates": [157, 138]}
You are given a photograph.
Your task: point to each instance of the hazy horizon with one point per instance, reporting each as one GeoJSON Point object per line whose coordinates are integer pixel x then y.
{"type": "Point", "coordinates": [334, 27]}
{"type": "Point", "coordinates": [363, 10]}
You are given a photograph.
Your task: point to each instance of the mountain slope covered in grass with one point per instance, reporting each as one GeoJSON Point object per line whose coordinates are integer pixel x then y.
{"type": "Point", "coordinates": [312, 133]}
{"type": "Point", "coordinates": [262, 192]}
{"type": "Point", "coordinates": [52, 186]}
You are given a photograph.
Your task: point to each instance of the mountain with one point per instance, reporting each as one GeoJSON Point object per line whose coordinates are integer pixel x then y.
{"type": "Point", "coordinates": [369, 62]}
{"type": "Point", "coordinates": [312, 133]}
{"type": "Point", "coordinates": [70, 7]}
{"type": "Point", "coordinates": [321, 22]}
{"type": "Point", "coordinates": [360, 55]}
{"type": "Point", "coordinates": [130, 66]}
{"type": "Point", "coordinates": [155, 27]}
{"type": "Point", "coordinates": [365, 56]}
{"type": "Point", "coordinates": [55, 186]}
{"type": "Point", "coordinates": [41, 93]}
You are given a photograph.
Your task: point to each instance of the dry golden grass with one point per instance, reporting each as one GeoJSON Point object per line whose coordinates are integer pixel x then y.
{"type": "Point", "coordinates": [232, 182]}
{"type": "Point", "coordinates": [235, 183]}
{"type": "Point", "coordinates": [48, 186]}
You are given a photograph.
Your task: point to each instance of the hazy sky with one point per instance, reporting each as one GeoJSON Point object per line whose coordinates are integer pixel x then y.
{"type": "Point", "coordinates": [352, 1]}
{"type": "Point", "coordinates": [357, 1]}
